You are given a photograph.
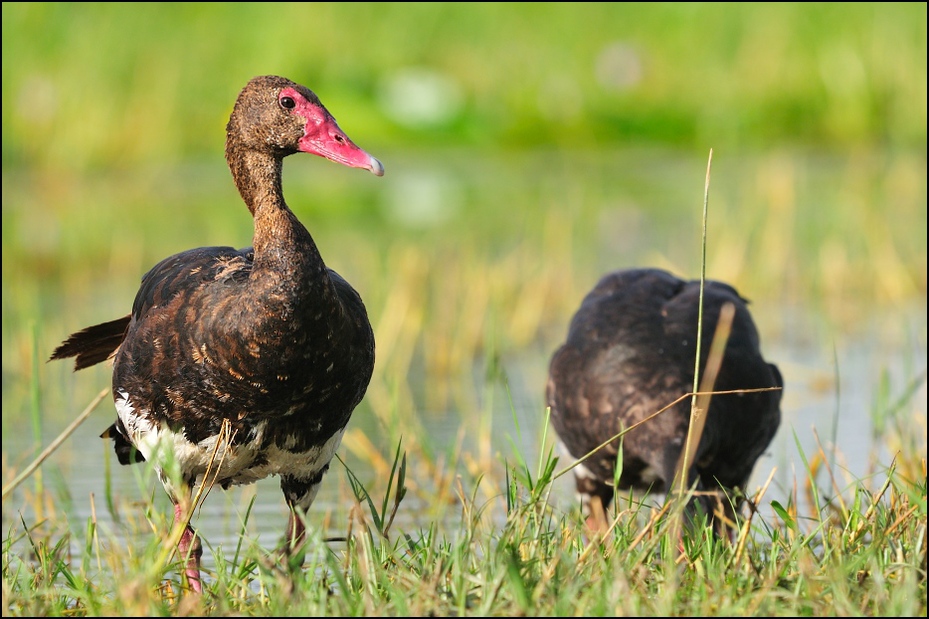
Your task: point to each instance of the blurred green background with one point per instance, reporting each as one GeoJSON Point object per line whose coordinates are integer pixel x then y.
{"type": "Point", "coordinates": [90, 85]}
{"type": "Point", "coordinates": [529, 147]}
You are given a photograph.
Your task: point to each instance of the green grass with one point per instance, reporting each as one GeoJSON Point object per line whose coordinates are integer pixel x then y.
{"type": "Point", "coordinates": [161, 77]}
{"type": "Point", "coordinates": [471, 254]}
{"type": "Point", "coordinates": [511, 552]}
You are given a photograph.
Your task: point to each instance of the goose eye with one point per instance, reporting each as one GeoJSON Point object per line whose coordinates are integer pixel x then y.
{"type": "Point", "coordinates": [288, 103]}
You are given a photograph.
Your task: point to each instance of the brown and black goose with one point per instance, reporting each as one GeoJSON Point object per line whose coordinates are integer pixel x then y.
{"type": "Point", "coordinates": [263, 350]}
{"type": "Point", "coordinates": [630, 352]}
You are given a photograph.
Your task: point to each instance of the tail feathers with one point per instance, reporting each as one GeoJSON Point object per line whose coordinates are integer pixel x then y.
{"type": "Point", "coordinates": [126, 452]}
{"type": "Point", "coordinates": [93, 344]}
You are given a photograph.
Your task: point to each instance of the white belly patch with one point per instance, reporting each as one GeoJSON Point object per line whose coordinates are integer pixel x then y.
{"type": "Point", "coordinates": [214, 458]}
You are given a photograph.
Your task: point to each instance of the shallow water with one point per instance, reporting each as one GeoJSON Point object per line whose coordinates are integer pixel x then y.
{"type": "Point", "coordinates": [829, 400]}
{"type": "Point", "coordinates": [832, 368]}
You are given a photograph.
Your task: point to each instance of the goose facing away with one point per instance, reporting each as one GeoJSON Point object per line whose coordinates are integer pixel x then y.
{"type": "Point", "coordinates": [630, 352]}
{"type": "Point", "coordinates": [264, 351]}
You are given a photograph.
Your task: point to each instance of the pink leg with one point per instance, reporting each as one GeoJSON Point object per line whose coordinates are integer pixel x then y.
{"type": "Point", "coordinates": [189, 550]}
{"type": "Point", "coordinates": [296, 533]}
{"type": "Point", "coordinates": [299, 495]}
{"type": "Point", "coordinates": [597, 521]}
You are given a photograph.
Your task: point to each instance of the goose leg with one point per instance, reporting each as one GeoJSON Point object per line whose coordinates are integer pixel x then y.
{"type": "Point", "coordinates": [721, 509]}
{"type": "Point", "coordinates": [595, 497]}
{"type": "Point", "coordinates": [189, 549]}
{"type": "Point", "coordinates": [296, 532]}
{"type": "Point", "coordinates": [299, 495]}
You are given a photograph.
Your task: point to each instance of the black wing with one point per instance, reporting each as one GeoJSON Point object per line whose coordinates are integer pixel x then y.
{"type": "Point", "coordinates": [180, 272]}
